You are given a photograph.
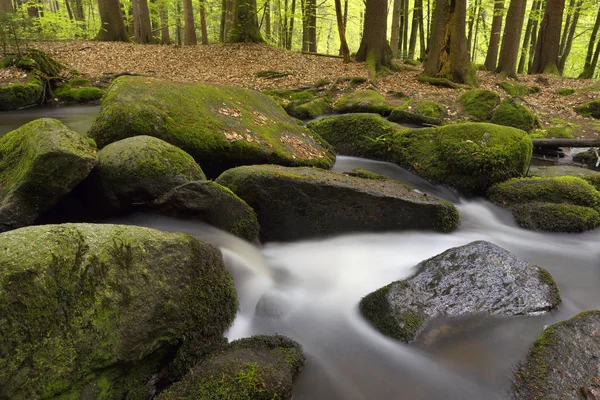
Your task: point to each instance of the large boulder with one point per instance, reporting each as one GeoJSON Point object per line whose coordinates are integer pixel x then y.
{"type": "Point", "coordinates": [94, 311]}
{"type": "Point", "coordinates": [555, 204]}
{"type": "Point", "coordinates": [478, 278]}
{"type": "Point", "coordinates": [298, 203]}
{"type": "Point", "coordinates": [563, 362]}
{"type": "Point", "coordinates": [469, 157]}
{"type": "Point", "coordinates": [40, 163]}
{"type": "Point", "coordinates": [18, 95]}
{"type": "Point", "coordinates": [480, 104]}
{"type": "Point", "coordinates": [138, 170]}
{"type": "Point", "coordinates": [220, 126]}
{"type": "Point", "coordinates": [212, 203]}
{"type": "Point", "coordinates": [258, 368]}
{"type": "Point", "coordinates": [512, 113]}
{"type": "Point", "coordinates": [363, 101]}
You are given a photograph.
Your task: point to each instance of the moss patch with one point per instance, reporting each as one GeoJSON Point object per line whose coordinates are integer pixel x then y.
{"type": "Point", "coordinates": [18, 95]}
{"type": "Point", "coordinates": [511, 113]}
{"type": "Point", "coordinates": [364, 101]}
{"type": "Point", "coordinates": [552, 217]}
{"type": "Point", "coordinates": [480, 104]}
{"type": "Point", "coordinates": [591, 109]}
{"type": "Point", "coordinates": [514, 89]}
{"type": "Point", "coordinates": [429, 108]}
{"type": "Point", "coordinates": [566, 91]}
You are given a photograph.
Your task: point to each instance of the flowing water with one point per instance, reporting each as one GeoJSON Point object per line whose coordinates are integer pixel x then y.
{"type": "Point", "coordinates": [77, 117]}
{"type": "Point", "coordinates": [309, 291]}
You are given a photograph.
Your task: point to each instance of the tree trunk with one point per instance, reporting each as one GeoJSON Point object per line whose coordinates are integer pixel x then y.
{"type": "Point", "coordinates": [68, 6]}
{"type": "Point", "coordinates": [395, 38]}
{"type": "Point", "coordinates": [374, 48]}
{"type": "Point", "coordinates": [473, 49]}
{"type": "Point", "coordinates": [448, 52]}
{"type": "Point", "coordinates": [566, 50]}
{"type": "Point", "coordinates": [414, 30]}
{"type": "Point", "coordinates": [422, 45]}
{"type": "Point", "coordinates": [492, 54]}
{"type": "Point", "coordinates": [472, 16]}
{"type": "Point", "coordinates": [588, 70]}
{"type": "Point", "coordinates": [509, 51]}
{"type": "Point", "coordinates": [290, 31]}
{"type": "Point", "coordinates": [203, 27]}
{"type": "Point", "coordinates": [189, 38]}
{"type": "Point", "coordinates": [309, 33]}
{"type": "Point", "coordinates": [534, 34]}
{"type": "Point", "coordinates": [245, 23]}
{"type": "Point", "coordinates": [341, 31]}
{"type": "Point", "coordinates": [163, 13]}
{"type": "Point", "coordinates": [111, 19]}
{"type": "Point", "coordinates": [6, 6]}
{"type": "Point", "coordinates": [178, 23]}
{"type": "Point", "coordinates": [405, 29]}
{"type": "Point", "coordinates": [528, 34]}
{"type": "Point", "coordinates": [78, 10]}
{"type": "Point", "coordinates": [142, 32]}
{"type": "Point", "coordinates": [227, 17]}
{"type": "Point", "coordinates": [268, 19]}
{"type": "Point", "coordinates": [546, 49]}
{"type": "Point", "coordinates": [566, 27]}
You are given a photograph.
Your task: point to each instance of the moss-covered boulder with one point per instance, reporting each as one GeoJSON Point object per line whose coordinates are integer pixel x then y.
{"type": "Point", "coordinates": [478, 278]}
{"type": "Point", "coordinates": [298, 203]}
{"type": "Point", "coordinates": [137, 170]}
{"type": "Point", "coordinates": [480, 104]}
{"type": "Point", "coordinates": [587, 158]}
{"type": "Point", "coordinates": [220, 126]}
{"type": "Point", "coordinates": [94, 311]}
{"type": "Point", "coordinates": [363, 101]}
{"type": "Point", "coordinates": [40, 163]}
{"type": "Point", "coordinates": [563, 362]}
{"type": "Point", "coordinates": [78, 91]}
{"type": "Point", "coordinates": [401, 116]}
{"type": "Point", "coordinates": [212, 203]}
{"type": "Point", "coordinates": [469, 157]}
{"type": "Point", "coordinates": [514, 89]}
{"type": "Point", "coordinates": [430, 108]}
{"type": "Point", "coordinates": [588, 175]}
{"type": "Point", "coordinates": [256, 368]}
{"type": "Point", "coordinates": [511, 113]}
{"type": "Point", "coordinates": [302, 104]}
{"type": "Point", "coordinates": [590, 109]}
{"type": "Point", "coordinates": [556, 204]}
{"type": "Point", "coordinates": [18, 95]}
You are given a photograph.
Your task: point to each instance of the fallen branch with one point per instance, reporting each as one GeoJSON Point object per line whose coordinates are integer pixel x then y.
{"type": "Point", "coordinates": [322, 55]}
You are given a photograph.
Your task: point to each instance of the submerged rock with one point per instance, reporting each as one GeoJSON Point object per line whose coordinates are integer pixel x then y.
{"type": "Point", "coordinates": [219, 126]}
{"type": "Point", "coordinates": [211, 203]}
{"type": "Point", "coordinates": [257, 368]}
{"type": "Point", "coordinates": [138, 170]}
{"type": "Point", "coordinates": [478, 278]}
{"type": "Point", "coordinates": [298, 203]}
{"type": "Point", "coordinates": [93, 311]}
{"type": "Point", "coordinates": [40, 163]}
{"type": "Point", "coordinates": [563, 362]}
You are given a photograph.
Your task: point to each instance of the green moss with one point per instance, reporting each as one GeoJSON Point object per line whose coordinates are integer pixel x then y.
{"type": "Point", "coordinates": [565, 91]}
{"type": "Point", "coordinates": [401, 116]}
{"type": "Point", "coordinates": [480, 104]}
{"type": "Point", "coordinates": [309, 109]}
{"type": "Point", "coordinates": [363, 173]}
{"type": "Point", "coordinates": [270, 74]}
{"type": "Point", "coordinates": [547, 279]}
{"type": "Point", "coordinates": [364, 101]}
{"type": "Point", "coordinates": [593, 180]}
{"type": "Point", "coordinates": [220, 126]}
{"type": "Point", "coordinates": [511, 113]}
{"type": "Point", "coordinates": [552, 217]}
{"type": "Point", "coordinates": [551, 68]}
{"type": "Point", "coordinates": [587, 157]}
{"type": "Point", "coordinates": [75, 91]}
{"type": "Point", "coordinates": [514, 89]}
{"type": "Point", "coordinates": [590, 109]}
{"type": "Point", "coordinates": [442, 82]}
{"type": "Point", "coordinates": [18, 95]}
{"type": "Point", "coordinates": [430, 108]}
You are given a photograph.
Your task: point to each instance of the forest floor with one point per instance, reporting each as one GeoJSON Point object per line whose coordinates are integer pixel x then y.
{"type": "Point", "coordinates": [237, 64]}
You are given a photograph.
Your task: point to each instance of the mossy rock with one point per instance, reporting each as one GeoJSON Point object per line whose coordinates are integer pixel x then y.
{"type": "Point", "coordinates": [212, 203]}
{"type": "Point", "coordinates": [78, 91]}
{"type": "Point", "coordinates": [429, 108]}
{"type": "Point", "coordinates": [309, 109]}
{"type": "Point", "coordinates": [480, 104]}
{"type": "Point", "coordinates": [256, 368]}
{"type": "Point", "coordinates": [299, 203]}
{"type": "Point", "coordinates": [478, 278]}
{"type": "Point", "coordinates": [137, 170]}
{"type": "Point", "coordinates": [363, 101]}
{"type": "Point", "coordinates": [587, 157]}
{"type": "Point", "coordinates": [18, 95]}
{"type": "Point", "coordinates": [563, 361]}
{"type": "Point", "coordinates": [514, 89]}
{"type": "Point", "coordinates": [363, 173]}
{"type": "Point", "coordinates": [220, 126]}
{"type": "Point", "coordinates": [93, 311]}
{"type": "Point", "coordinates": [401, 116]}
{"type": "Point", "coordinates": [590, 109]}
{"type": "Point", "coordinates": [586, 174]}
{"type": "Point", "coordinates": [511, 113]}
{"type": "Point", "coordinates": [553, 217]}
{"type": "Point", "coordinates": [40, 163]}
{"type": "Point", "coordinates": [566, 91]}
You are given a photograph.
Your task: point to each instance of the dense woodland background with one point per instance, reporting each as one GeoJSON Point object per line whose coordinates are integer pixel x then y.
{"type": "Point", "coordinates": [564, 31]}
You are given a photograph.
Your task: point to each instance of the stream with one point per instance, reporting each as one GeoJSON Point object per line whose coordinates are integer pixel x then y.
{"type": "Point", "coordinates": [310, 290]}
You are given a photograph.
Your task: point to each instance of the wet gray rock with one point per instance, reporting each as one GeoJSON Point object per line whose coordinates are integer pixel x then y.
{"type": "Point", "coordinates": [478, 278]}
{"type": "Point", "coordinates": [564, 362]}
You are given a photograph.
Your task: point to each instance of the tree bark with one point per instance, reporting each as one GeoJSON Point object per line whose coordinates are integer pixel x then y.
{"type": "Point", "coordinates": [163, 14]}
{"type": "Point", "coordinates": [374, 48]}
{"type": "Point", "coordinates": [395, 34]}
{"type": "Point", "coordinates": [203, 27]}
{"type": "Point", "coordinates": [492, 54]}
{"type": "Point", "coordinates": [405, 29]}
{"type": "Point", "coordinates": [414, 30]}
{"type": "Point", "coordinates": [509, 51]}
{"type": "Point", "coordinates": [142, 32]}
{"type": "Point", "coordinates": [422, 45]}
{"type": "Point", "coordinates": [189, 38]}
{"type": "Point", "coordinates": [531, 26]}
{"type": "Point", "coordinates": [290, 32]}
{"type": "Point", "coordinates": [341, 31]}
{"type": "Point", "coordinates": [6, 6]}
{"type": "Point", "coordinates": [245, 23]}
{"type": "Point", "coordinates": [448, 52]}
{"type": "Point", "coordinates": [309, 33]}
{"type": "Point", "coordinates": [111, 19]}
{"type": "Point", "coordinates": [546, 49]}
{"type": "Point", "coordinates": [268, 19]}
{"type": "Point", "coordinates": [78, 10]}
{"type": "Point", "coordinates": [588, 69]}
{"type": "Point", "coordinates": [568, 44]}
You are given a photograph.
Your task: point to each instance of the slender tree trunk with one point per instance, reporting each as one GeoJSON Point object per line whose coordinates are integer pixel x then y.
{"type": "Point", "coordinates": [163, 14]}
{"type": "Point", "coordinates": [405, 29]}
{"type": "Point", "coordinates": [528, 33]}
{"type": "Point", "coordinates": [341, 31]}
{"type": "Point", "coordinates": [566, 50]}
{"type": "Point", "coordinates": [534, 35]}
{"type": "Point", "coordinates": [178, 23]}
{"type": "Point", "coordinates": [589, 67]}
{"type": "Point", "coordinates": [227, 16]}
{"type": "Point", "coordinates": [473, 13]}
{"type": "Point", "coordinates": [414, 30]}
{"type": "Point", "coordinates": [189, 38]}
{"type": "Point", "coordinates": [374, 48]}
{"type": "Point", "coordinates": [142, 32]}
{"type": "Point", "coordinates": [400, 29]}
{"type": "Point", "coordinates": [6, 6]}
{"type": "Point", "coordinates": [245, 23]}
{"type": "Point", "coordinates": [268, 19]}
{"type": "Point", "coordinates": [113, 27]}
{"type": "Point", "coordinates": [68, 6]}
{"type": "Point", "coordinates": [473, 50]}
{"type": "Point", "coordinates": [203, 27]}
{"type": "Point", "coordinates": [546, 50]}
{"type": "Point", "coordinates": [290, 32]}
{"type": "Point", "coordinates": [422, 45]}
{"type": "Point", "coordinates": [509, 51]}
{"type": "Point", "coordinates": [566, 26]}
{"type": "Point", "coordinates": [395, 38]}
{"type": "Point", "coordinates": [310, 29]}
{"type": "Point", "coordinates": [448, 51]}
{"type": "Point", "coordinates": [492, 54]}
{"type": "Point", "coordinates": [78, 10]}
